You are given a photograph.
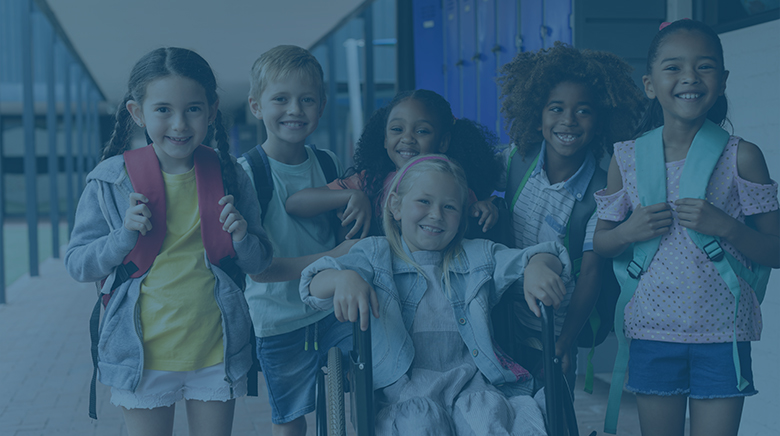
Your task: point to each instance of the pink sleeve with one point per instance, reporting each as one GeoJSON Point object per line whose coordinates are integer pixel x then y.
{"type": "Point", "coordinates": [355, 181]}
{"type": "Point", "coordinates": [756, 198]}
{"type": "Point", "coordinates": [613, 207]}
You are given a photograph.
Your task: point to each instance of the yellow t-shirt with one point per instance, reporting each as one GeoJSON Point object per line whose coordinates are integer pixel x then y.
{"type": "Point", "coordinates": [180, 319]}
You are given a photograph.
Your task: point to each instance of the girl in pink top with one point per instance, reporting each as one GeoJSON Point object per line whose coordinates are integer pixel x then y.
{"type": "Point", "coordinates": [414, 123]}
{"type": "Point", "coordinates": [681, 317]}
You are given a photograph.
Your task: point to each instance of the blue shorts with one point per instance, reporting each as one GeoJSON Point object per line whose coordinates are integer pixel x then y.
{"type": "Point", "coordinates": [699, 371]}
{"type": "Point", "coordinates": [291, 373]}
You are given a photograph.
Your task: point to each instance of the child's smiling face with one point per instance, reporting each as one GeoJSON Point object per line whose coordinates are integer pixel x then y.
{"type": "Point", "coordinates": [569, 121]}
{"type": "Point", "coordinates": [687, 76]}
{"type": "Point", "coordinates": [411, 131]}
{"type": "Point", "coordinates": [430, 212]}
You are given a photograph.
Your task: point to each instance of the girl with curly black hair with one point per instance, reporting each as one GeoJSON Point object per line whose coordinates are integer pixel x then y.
{"type": "Point", "coordinates": [414, 123]}
{"type": "Point", "coordinates": [564, 107]}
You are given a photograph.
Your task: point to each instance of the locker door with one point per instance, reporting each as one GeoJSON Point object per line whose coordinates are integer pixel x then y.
{"type": "Point", "coordinates": [557, 26]}
{"type": "Point", "coordinates": [485, 64]}
{"type": "Point", "coordinates": [468, 72]}
{"type": "Point", "coordinates": [452, 57]}
{"type": "Point", "coordinates": [508, 26]}
{"type": "Point", "coordinates": [428, 45]}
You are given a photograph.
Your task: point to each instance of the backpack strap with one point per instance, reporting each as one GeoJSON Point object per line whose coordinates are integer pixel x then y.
{"type": "Point", "coordinates": [518, 172]}
{"type": "Point", "coordinates": [261, 173]}
{"type": "Point", "coordinates": [217, 242]}
{"type": "Point", "coordinates": [326, 162]}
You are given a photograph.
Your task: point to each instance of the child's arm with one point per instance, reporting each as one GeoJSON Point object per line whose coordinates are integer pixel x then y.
{"type": "Point", "coordinates": [543, 282]}
{"type": "Point", "coordinates": [759, 237]}
{"type": "Point", "coordinates": [284, 269]}
{"type": "Point", "coordinates": [352, 296]}
{"type": "Point", "coordinates": [95, 248]}
{"type": "Point", "coordinates": [583, 299]}
{"type": "Point", "coordinates": [645, 223]}
{"type": "Point", "coordinates": [310, 202]}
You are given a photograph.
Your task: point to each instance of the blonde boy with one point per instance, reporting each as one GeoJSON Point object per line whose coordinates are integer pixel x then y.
{"type": "Point", "coordinates": [287, 94]}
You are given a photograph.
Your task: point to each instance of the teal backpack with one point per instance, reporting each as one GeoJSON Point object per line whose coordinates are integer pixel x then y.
{"type": "Point", "coordinates": [598, 327]}
{"type": "Point", "coordinates": [705, 151]}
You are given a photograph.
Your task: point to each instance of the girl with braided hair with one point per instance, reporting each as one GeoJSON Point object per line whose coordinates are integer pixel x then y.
{"type": "Point", "coordinates": [181, 330]}
{"type": "Point", "coordinates": [414, 123]}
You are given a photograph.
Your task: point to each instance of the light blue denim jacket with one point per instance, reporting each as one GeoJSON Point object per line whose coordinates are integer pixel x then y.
{"type": "Point", "coordinates": [479, 278]}
{"type": "Point", "coordinates": [100, 242]}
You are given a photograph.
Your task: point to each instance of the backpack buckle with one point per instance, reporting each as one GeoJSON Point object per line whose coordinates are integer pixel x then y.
{"type": "Point", "coordinates": [714, 251]}
{"type": "Point", "coordinates": [634, 269]}
{"type": "Point", "coordinates": [123, 273]}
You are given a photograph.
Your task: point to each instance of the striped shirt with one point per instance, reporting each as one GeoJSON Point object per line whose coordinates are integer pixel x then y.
{"type": "Point", "coordinates": [541, 214]}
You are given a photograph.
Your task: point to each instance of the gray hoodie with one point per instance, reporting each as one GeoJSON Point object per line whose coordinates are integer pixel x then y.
{"type": "Point", "coordinates": [99, 244]}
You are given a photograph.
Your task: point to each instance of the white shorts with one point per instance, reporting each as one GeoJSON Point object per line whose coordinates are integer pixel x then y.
{"type": "Point", "coordinates": [164, 388]}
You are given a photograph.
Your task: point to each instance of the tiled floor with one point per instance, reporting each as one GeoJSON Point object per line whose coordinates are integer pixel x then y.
{"type": "Point", "coordinates": [45, 369]}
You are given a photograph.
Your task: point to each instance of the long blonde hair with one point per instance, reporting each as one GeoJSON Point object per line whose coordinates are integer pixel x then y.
{"type": "Point", "coordinates": [403, 181]}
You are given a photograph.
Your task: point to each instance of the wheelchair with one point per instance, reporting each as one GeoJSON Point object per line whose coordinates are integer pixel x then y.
{"type": "Point", "coordinates": [330, 409]}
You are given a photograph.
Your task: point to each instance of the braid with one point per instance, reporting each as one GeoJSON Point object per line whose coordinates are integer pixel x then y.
{"type": "Point", "coordinates": [119, 137]}
{"type": "Point", "coordinates": [229, 176]}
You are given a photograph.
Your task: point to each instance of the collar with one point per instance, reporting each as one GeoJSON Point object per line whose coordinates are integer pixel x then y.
{"type": "Point", "coordinates": [576, 184]}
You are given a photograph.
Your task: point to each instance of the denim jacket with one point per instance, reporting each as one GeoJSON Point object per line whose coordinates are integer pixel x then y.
{"type": "Point", "coordinates": [479, 277]}
{"type": "Point", "coordinates": [100, 242]}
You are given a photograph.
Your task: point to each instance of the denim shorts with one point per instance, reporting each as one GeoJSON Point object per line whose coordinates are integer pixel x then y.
{"type": "Point", "coordinates": [700, 371]}
{"type": "Point", "coordinates": [291, 372]}
{"type": "Point", "coordinates": [164, 388]}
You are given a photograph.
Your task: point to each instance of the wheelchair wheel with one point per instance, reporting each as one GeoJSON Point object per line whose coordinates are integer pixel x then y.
{"type": "Point", "coordinates": [335, 395]}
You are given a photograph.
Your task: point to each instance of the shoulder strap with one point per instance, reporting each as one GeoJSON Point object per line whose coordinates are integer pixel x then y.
{"type": "Point", "coordinates": [261, 173]}
{"type": "Point", "coordinates": [326, 163]}
{"type": "Point", "coordinates": [145, 174]}
{"type": "Point", "coordinates": [208, 178]}
{"type": "Point", "coordinates": [580, 215]}
{"type": "Point", "coordinates": [518, 172]}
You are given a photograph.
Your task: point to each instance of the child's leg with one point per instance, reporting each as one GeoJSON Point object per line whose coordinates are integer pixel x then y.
{"type": "Point", "coordinates": [210, 418]}
{"type": "Point", "coordinates": [661, 415]}
{"type": "Point", "coordinates": [149, 422]}
{"type": "Point", "coordinates": [716, 417]}
{"type": "Point", "coordinates": [296, 427]}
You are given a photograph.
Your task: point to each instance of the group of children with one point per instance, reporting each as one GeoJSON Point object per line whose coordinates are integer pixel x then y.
{"type": "Point", "coordinates": [419, 174]}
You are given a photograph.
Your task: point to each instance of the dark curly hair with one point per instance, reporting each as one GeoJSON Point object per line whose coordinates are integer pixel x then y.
{"type": "Point", "coordinates": [471, 145]}
{"type": "Point", "coordinates": [165, 62]}
{"type": "Point", "coordinates": [653, 115]}
{"type": "Point", "coordinates": [526, 83]}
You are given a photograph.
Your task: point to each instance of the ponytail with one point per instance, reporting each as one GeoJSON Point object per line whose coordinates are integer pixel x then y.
{"type": "Point", "coordinates": [229, 176]}
{"type": "Point", "coordinates": [118, 142]}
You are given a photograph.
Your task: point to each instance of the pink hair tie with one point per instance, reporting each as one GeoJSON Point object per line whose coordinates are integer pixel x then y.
{"type": "Point", "coordinates": [666, 23]}
{"type": "Point", "coordinates": [415, 162]}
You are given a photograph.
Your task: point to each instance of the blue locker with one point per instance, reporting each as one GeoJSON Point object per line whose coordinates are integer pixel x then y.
{"type": "Point", "coordinates": [452, 59]}
{"type": "Point", "coordinates": [485, 64]}
{"type": "Point", "coordinates": [428, 45]}
{"type": "Point", "coordinates": [468, 51]}
{"type": "Point", "coordinates": [509, 42]}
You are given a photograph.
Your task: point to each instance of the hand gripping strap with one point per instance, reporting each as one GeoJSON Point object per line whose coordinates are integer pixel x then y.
{"type": "Point", "coordinates": [208, 176]}
{"type": "Point", "coordinates": [145, 174]}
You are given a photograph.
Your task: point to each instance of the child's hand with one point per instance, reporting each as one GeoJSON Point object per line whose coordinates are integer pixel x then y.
{"type": "Point", "coordinates": [358, 209]}
{"type": "Point", "coordinates": [231, 219]}
{"type": "Point", "coordinates": [648, 222]}
{"type": "Point", "coordinates": [542, 283]}
{"type": "Point", "coordinates": [138, 214]}
{"type": "Point", "coordinates": [703, 217]}
{"type": "Point", "coordinates": [353, 297]}
{"type": "Point", "coordinates": [489, 213]}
